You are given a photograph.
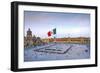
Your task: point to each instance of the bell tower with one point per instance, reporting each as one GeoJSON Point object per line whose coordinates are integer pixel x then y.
{"type": "Point", "coordinates": [29, 37]}
{"type": "Point", "coordinates": [29, 34]}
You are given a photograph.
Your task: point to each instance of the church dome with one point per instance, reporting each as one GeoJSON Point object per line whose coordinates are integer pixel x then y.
{"type": "Point", "coordinates": [29, 32]}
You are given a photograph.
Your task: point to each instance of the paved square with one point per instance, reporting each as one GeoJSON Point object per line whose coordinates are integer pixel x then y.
{"type": "Point", "coordinates": [57, 51]}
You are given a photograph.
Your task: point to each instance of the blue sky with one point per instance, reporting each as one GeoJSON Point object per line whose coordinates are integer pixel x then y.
{"type": "Point", "coordinates": [66, 24]}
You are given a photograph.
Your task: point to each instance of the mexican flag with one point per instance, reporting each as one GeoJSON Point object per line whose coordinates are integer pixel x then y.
{"type": "Point", "coordinates": [50, 33]}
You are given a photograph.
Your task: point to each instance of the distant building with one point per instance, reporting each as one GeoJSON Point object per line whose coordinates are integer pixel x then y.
{"type": "Point", "coordinates": [25, 41]}
{"type": "Point", "coordinates": [81, 40]}
{"type": "Point", "coordinates": [30, 40]}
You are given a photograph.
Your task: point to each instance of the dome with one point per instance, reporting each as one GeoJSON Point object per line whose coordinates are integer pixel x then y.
{"type": "Point", "coordinates": [29, 32]}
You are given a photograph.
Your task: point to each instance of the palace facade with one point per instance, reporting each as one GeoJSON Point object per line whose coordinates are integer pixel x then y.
{"type": "Point", "coordinates": [80, 40]}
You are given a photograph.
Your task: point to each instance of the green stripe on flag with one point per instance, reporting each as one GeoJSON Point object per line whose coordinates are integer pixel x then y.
{"type": "Point", "coordinates": [54, 31]}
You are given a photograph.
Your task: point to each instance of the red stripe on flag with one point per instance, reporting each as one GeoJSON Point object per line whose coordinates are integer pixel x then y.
{"type": "Point", "coordinates": [49, 33]}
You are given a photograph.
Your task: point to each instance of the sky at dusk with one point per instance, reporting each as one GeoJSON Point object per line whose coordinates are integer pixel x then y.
{"type": "Point", "coordinates": [66, 24]}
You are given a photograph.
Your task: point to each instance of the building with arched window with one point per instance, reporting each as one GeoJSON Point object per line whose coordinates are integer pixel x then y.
{"type": "Point", "coordinates": [80, 40]}
{"type": "Point", "coordinates": [30, 40]}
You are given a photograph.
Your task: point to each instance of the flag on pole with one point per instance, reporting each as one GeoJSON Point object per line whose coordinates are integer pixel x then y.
{"type": "Point", "coordinates": [50, 33]}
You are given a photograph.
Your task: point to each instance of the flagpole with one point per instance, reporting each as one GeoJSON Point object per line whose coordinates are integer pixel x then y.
{"type": "Point", "coordinates": [49, 39]}
{"type": "Point", "coordinates": [49, 34]}
{"type": "Point", "coordinates": [54, 38]}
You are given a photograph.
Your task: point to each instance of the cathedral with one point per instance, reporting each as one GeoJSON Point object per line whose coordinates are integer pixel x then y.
{"type": "Point", "coordinates": [30, 40]}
